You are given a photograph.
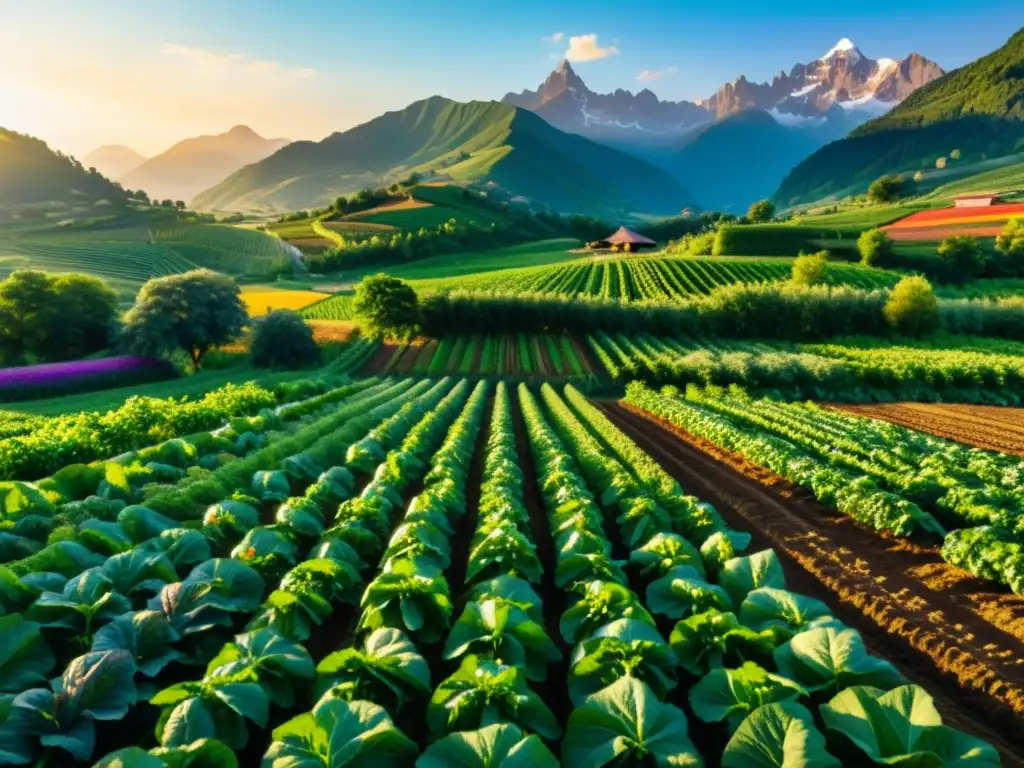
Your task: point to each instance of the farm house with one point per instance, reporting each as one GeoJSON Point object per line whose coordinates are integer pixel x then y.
{"type": "Point", "coordinates": [977, 201]}
{"type": "Point", "coordinates": [623, 237]}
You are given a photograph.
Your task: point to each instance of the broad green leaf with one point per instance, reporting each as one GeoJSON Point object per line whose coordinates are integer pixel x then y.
{"type": "Point", "coordinates": [827, 659]}
{"type": "Point", "coordinates": [599, 603]}
{"type": "Point", "coordinates": [337, 733]}
{"type": "Point", "coordinates": [778, 735]}
{"type": "Point", "coordinates": [662, 553]}
{"type": "Point", "coordinates": [25, 658]}
{"type": "Point", "coordinates": [902, 727]}
{"type": "Point", "coordinates": [625, 722]}
{"type": "Point", "coordinates": [707, 640]}
{"type": "Point", "coordinates": [731, 694]}
{"type": "Point", "coordinates": [682, 591]}
{"type": "Point", "coordinates": [741, 575]}
{"type": "Point", "coordinates": [622, 648]}
{"type": "Point", "coordinates": [147, 635]}
{"type": "Point", "coordinates": [16, 742]}
{"type": "Point", "coordinates": [783, 612]}
{"type": "Point", "coordinates": [496, 746]}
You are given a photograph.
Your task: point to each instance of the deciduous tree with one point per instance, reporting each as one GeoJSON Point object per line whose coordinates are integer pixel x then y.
{"type": "Point", "coordinates": [194, 312]}
{"type": "Point", "coordinates": [875, 247]}
{"type": "Point", "coordinates": [282, 339]}
{"type": "Point", "coordinates": [912, 307]}
{"type": "Point", "coordinates": [387, 306]}
{"type": "Point", "coordinates": [762, 210]}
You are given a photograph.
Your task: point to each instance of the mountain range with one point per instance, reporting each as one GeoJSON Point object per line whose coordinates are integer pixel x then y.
{"type": "Point", "coordinates": [483, 142]}
{"type": "Point", "coordinates": [971, 114]}
{"type": "Point", "coordinates": [725, 159]}
{"type": "Point", "coordinates": [195, 164]}
{"type": "Point", "coordinates": [113, 160]}
{"type": "Point", "coordinates": [31, 172]}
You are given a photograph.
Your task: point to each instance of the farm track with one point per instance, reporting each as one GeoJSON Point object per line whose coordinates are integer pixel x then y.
{"type": "Point", "coordinates": [984, 426]}
{"type": "Point", "coordinates": [940, 626]}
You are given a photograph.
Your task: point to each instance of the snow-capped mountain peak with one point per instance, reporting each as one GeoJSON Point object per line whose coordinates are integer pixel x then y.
{"type": "Point", "coordinates": [844, 47]}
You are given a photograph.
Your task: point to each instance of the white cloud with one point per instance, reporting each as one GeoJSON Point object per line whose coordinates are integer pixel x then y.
{"type": "Point", "coordinates": [555, 38]}
{"type": "Point", "coordinates": [656, 74]}
{"type": "Point", "coordinates": [218, 61]}
{"type": "Point", "coordinates": [585, 48]}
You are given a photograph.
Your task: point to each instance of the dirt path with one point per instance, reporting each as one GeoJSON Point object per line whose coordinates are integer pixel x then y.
{"type": "Point", "coordinates": [940, 626]}
{"type": "Point", "coordinates": [985, 426]}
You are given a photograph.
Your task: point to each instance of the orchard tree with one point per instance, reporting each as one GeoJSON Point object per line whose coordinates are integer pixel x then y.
{"type": "Point", "coordinates": [912, 308]}
{"type": "Point", "coordinates": [875, 247]}
{"type": "Point", "coordinates": [810, 269]}
{"type": "Point", "coordinates": [387, 306]}
{"type": "Point", "coordinates": [282, 339]}
{"type": "Point", "coordinates": [762, 210]}
{"type": "Point", "coordinates": [195, 312]}
{"type": "Point", "coordinates": [963, 255]}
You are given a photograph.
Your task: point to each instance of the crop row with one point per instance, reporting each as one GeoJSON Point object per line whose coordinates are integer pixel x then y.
{"type": "Point", "coordinates": [461, 649]}
{"type": "Point", "coordinates": [847, 372]}
{"type": "Point", "coordinates": [481, 354]}
{"type": "Point", "coordinates": [887, 477]}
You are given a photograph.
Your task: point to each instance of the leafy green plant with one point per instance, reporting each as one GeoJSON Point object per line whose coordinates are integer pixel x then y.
{"type": "Point", "coordinates": [201, 753]}
{"type": "Point", "coordinates": [682, 591]}
{"type": "Point", "coordinates": [902, 727]}
{"type": "Point", "coordinates": [498, 629]}
{"type": "Point", "coordinates": [625, 724]}
{"type": "Point", "coordinates": [95, 686]}
{"type": "Point", "coordinates": [336, 733]}
{"type": "Point", "coordinates": [662, 553]}
{"type": "Point", "coordinates": [732, 694]}
{"type": "Point", "coordinates": [25, 657]}
{"type": "Point", "coordinates": [387, 669]}
{"type": "Point", "coordinates": [622, 648]}
{"type": "Point", "coordinates": [147, 635]}
{"type": "Point", "coordinates": [408, 595]}
{"type": "Point", "coordinates": [599, 602]}
{"type": "Point", "coordinates": [86, 601]}
{"type": "Point", "coordinates": [711, 639]}
{"type": "Point", "coordinates": [306, 595]}
{"type": "Point", "coordinates": [778, 734]}
{"type": "Point", "coordinates": [784, 613]}
{"type": "Point", "coordinates": [828, 659]}
{"type": "Point", "coordinates": [482, 693]}
{"type": "Point", "coordinates": [741, 575]}
{"type": "Point", "coordinates": [497, 746]}
{"type": "Point", "coordinates": [276, 662]}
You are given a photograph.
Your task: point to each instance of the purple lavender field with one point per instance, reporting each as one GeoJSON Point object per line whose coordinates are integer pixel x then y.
{"type": "Point", "coordinates": [54, 379]}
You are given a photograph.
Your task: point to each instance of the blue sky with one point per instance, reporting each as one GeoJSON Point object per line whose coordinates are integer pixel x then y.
{"type": "Point", "coordinates": [146, 74]}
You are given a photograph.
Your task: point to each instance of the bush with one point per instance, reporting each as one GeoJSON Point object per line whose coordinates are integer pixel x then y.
{"type": "Point", "coordinates": [810, 270]}
{"type": "Point", "coordinates": [963, 255]}
{"type": "Point", "coordinates": [885, 189]}
{"type": "Point", "coordinates": [761, 211]}
{"type": "Point", "coordinates": [912, 307]}
{"type": "Point", "coordinates": [282, 339]}
{"type": "Point", "coordinates": [387, 306]}
{"type": "Point", "coordinates": [1010, 243]}
{"type": "Point", "coordinates": [875, 247]}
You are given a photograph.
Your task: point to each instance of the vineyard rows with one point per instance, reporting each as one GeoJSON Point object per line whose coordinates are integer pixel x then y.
{"type": "Point", "coordinates": [224, 248]}
{"type": "Point", "coordinates": [479, 354]}
{"type": "Point", "coordinates": [433, 573]}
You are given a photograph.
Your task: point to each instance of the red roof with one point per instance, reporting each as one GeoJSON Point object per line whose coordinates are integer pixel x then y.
{"type": "Point", "coordinates": [623, 235]}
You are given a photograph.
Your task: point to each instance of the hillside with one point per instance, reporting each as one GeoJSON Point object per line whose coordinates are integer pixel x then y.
{"type": "Point", "coordinates": [977, 109]}
{"type": "Point", "coordinates": [195, 164]}
{"type": "Point", "coordinates": [739, 159]}
{"type": "Point", "coordinates": [31, 172]}
{"type": "Point", "coordinates": [113, 160]}
{"type": "Point", "coordinates": [471, 142]}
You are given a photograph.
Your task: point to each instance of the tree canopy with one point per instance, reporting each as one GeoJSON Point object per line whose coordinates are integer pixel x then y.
{"type": "Point", "coordinates": [875, 247]}
{"type": "Point", "coordinates": [912, 307]}
{"type": "Point", "coordinates": [387, 306]}
{"type": "Point", "coordinates": [810, 270]}
{"type": "Point", "coordinates": [885, 189]}
{"type": "Point", "coordinates": [762, 210]}
{"type": "Point", "coordinates": [282, 339]}
{"type": "Point", "coordinates": [46, 318]}
{"type": "Point", "coordinates": [194, 312]}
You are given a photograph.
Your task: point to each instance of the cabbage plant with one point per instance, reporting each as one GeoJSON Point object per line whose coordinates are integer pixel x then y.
{"type": "Point", "coordinates": [387, 669]}
{"type": "Point", "coordinates": [624, 647]}
{"type": "Point", "coordinates": [497, 746]}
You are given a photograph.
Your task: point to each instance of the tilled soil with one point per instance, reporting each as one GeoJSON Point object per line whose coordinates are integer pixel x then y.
{"type": "Point", "coordinates": [944, 629]}
{"type": "Point", "coordinates": [984, 426]}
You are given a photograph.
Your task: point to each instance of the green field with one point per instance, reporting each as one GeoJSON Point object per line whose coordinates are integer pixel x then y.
{"type": "Point", "coordinates": [862, 218]}
{"type": "Point", "coordinates": [233, 250]}
{"type": "Point", "coordinates": [1008, 179]}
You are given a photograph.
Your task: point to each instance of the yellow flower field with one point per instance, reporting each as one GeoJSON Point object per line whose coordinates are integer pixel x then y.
{"type": "Point", "coordinates": [260, 302]}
